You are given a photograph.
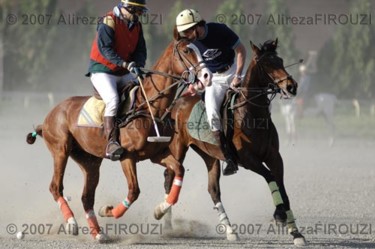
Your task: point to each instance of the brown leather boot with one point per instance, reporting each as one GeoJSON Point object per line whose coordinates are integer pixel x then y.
{"type": "Point", "coordinates": [231, 167]}
{"type": "Point", "coordinates": [113, 150]}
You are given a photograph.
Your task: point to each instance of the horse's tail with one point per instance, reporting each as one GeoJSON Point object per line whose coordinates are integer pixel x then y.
{"type": "Point", "coordinates": [31, 137]}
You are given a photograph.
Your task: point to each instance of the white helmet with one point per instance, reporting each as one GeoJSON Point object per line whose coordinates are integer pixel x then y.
{"type": "Point", "coordinates": [187, 19]}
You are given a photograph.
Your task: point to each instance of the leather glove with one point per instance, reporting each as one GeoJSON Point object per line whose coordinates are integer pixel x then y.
{"type": "Point", "coordinates": [129, 65]}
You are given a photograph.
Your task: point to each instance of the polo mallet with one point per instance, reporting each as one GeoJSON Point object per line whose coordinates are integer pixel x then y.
{"type": "Point", "coordinates": [158, 138]}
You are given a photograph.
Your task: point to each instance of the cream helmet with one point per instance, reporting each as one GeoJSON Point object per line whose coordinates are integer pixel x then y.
{"type": "Point", "coordinates": [187, 19]}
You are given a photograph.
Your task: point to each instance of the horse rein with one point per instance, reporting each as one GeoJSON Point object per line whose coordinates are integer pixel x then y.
{"type": "Point", "coordinates": [272, 88]}
{"type": "Point", "coordinates": [188, 76]}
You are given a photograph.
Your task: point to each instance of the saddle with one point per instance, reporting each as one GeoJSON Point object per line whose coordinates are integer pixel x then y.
{"type": "Point", "coordinates": [199, 128]}
{"type": "Point", "coordinates": [92, 112]}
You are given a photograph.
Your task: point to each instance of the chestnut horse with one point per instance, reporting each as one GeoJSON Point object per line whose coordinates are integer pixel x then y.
{"type": "Point", "coordinates": [255, 138]}
{"type": "Point", "coordinates": [86, 146]}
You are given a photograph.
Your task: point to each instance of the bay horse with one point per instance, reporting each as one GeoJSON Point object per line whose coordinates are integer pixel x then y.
{"type": "Point", "coordinates": [255, 137]}
{"type": "Point", "coordinates": [86, 146]}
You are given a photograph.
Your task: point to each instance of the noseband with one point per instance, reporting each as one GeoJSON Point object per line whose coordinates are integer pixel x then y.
{"type": "Point", "coordinates": [274, 82]}
{"type": "Point", "coordinates": [190, 75]}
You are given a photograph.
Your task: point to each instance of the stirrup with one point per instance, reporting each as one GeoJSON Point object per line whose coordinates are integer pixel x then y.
{"type": "Point", "coordinates": [116, 152]}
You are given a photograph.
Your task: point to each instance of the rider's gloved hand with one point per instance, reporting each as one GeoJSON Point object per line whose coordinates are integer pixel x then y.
{"type": "Point", "coordinates": [129, 65]}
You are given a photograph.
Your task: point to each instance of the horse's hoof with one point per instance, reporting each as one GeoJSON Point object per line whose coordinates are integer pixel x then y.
{"type": "Point", "coordinates": [71, 226]}
{"type": "Point", "coordinates": [105, 211]}
{"type": "Point", "coordinates": [298, 239]}
{"type": "Point", "coordinates": [102, 238]}
{"type": "Point", "coordinates": [158, 213]}
{"type": "Point", "coordinates": [232, 237]}
{"type": "Point", "coordinates": [300, 242]}
{"type": "Point", "coordinates": [161, 209]}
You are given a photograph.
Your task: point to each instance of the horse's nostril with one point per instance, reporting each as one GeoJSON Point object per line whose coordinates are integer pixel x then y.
{"type": "Point", "coordinates": [290, 88]}
{"type": "Point", "coordinates": [205, 75]}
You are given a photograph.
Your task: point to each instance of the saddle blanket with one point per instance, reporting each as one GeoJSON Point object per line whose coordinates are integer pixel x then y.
{"type": "Point", "coordinates": [92, 112]}
{"type": "Point", "coordinates": [198, 126]}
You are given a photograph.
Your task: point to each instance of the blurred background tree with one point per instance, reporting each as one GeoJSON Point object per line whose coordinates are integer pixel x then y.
{"type": "Point", "coordinates": [40, 57]}
{"type": "Point", "coordinates": [3, 13]}
{"type": "Point", "coordinates": [235, 18]}
{"type": "Point", "coordinates": [284, 33]}
{"type": "Point", "coordinates": [38, 49]}
{"type": "Point", "coordinates": [28, 42]}
{"type": "Point", "coordinates": [347, 62]}
{"type": "Point", "coordinates": [158, 31]}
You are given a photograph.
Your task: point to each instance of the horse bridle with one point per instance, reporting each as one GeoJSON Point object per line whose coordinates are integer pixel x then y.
{"type": "Point", "coordinates": [191, 72]}
{"type": "Point", "coordinates": [274, 82]}
{"type": "Point", "coordinates": [189, 76]}
{"type": "Point", "coordinates": [271, 89]}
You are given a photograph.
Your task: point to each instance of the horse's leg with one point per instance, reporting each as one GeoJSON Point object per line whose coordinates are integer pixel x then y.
{"type": "Point", "coordinates": [59, 146]}
{"type": "Point", "coordinates": [257, 166]}
{"type": "Point", "coordinates": [90, 166]}
{"type": "Point", "coordinates": [130, 171]}
{"type": "Point", "coordinates": [276, 165]}
{"type": "Point", "coordinates": [169, 161]}
{"type": "Point", "coordinates": [213, 168]}
{"type": "Point", "coordinates": [168, 181]}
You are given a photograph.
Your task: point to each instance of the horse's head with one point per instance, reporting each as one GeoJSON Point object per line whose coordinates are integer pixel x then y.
{"type": "Point", "coordinates": [271, 67]}
{"type": "Point", "coordinates": [189, 63]}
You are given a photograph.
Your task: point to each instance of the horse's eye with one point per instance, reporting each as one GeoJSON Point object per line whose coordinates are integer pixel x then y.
{"type": "Point", "coordinates": [186, 50]}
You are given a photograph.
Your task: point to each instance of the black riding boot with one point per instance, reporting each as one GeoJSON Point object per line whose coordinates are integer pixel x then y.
{"type": "Point", "coordinates": [231, 165]}
{"type": "Point", "coordinates": [113, 150]}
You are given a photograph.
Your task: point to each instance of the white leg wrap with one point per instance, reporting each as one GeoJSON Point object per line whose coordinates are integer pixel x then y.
{"type": "Point", "coordinates": [161, 209]}
{"type": "Point", "coordinates": [223, 218]}
{"type": "Point", "coordinates": [90, 214]}
{"type": "Point", "coordinates": [164, 206]}
{"type": "Point", "coordinates": [72, 226]}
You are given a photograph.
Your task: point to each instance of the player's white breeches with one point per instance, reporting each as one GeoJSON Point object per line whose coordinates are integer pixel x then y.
{"type": "Point", "coordinates": [215, 94]}
{"type": "Point", "coordinates": [107, 85]}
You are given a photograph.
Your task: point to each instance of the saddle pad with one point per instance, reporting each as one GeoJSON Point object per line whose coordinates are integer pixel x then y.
{"type": "Point", "coordinates": [92, 112]}
{"type": "Point", "coordinates": [198, 126]}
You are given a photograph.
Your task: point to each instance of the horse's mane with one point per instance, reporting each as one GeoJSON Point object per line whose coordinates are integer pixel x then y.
{"type": "Point", "coordinates": [268, 46]}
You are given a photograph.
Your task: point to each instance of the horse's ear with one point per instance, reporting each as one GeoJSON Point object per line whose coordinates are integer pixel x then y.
{"type": "Point", "coordinates": [275, 42]}
{"type": "Point", "coordinates": [255, 49]}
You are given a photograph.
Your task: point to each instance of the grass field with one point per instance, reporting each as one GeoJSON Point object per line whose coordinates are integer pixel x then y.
{"type": "Point", "coordinates": [347, 123]}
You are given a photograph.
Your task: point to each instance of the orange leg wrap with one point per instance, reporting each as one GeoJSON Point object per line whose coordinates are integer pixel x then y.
{"type": "Point", "coordinates": [121, 208]}
{"type": "Point", "coordinates": [65, 209]}
{"type": "Point", "coordinates": [175, 190]}
{"type": "Point", "coordinates": [93, 223]}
